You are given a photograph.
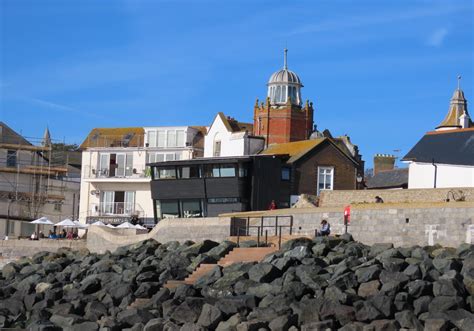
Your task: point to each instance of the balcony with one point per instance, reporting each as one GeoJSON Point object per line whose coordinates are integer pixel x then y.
{"type": "Point", "coordinates": [116, 209]}
{"type": "Point", "coordinates": [105, 174]}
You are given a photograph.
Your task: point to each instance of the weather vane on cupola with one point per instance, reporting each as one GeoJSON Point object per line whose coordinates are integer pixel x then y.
{"type": "Point", "coordinates": [285, 64]}
{"type": "Point", "coordinates": [459, 82]}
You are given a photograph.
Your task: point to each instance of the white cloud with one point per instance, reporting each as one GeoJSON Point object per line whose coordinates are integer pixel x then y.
{"type": "Point", "coordinates": [437, 38]}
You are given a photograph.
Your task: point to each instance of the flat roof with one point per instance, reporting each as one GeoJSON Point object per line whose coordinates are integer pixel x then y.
{"type": "Point", "coordinates": [209, 160]}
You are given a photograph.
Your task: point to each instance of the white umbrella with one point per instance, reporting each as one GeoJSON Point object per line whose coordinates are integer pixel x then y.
{"type": "Point", "coordinates": [139, 227]}
{"type": "Point", "coordinates": [110, 226]}
{"type": "Point", "coordinates": [99, 223]}
{"type": "Point", "coordinates": [42, 220]}
{"type": "Point", "coordinates": [67, 223]}
{"type": "Point", "coordinates": [126, 225]}
{"type": "Point", "coordinates": [80, 225]}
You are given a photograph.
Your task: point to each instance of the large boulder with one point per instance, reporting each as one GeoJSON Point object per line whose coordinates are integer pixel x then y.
{"type": "Point", "coordinates": [263, 273]}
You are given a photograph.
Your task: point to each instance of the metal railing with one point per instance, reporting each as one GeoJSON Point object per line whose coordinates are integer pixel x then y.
{"type": "Point", "coordinates": [90, 172]}
{"type": "Point", "coordinates": [116, 208]}
{"type": "Point", "coordinates": [241, 227]}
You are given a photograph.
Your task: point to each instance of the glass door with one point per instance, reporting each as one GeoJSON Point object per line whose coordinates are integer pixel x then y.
{"type": "Point", "coordinates": [107, 203]}
{"type": "Point", "coordinates": [104, 162]}
{"type": "Point", "coordinates": [129, 202]}
{"type": "Point", "coordinates": [120, 165]}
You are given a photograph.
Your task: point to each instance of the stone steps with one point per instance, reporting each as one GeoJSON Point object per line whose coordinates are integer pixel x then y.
{"type": "Point", "coordinates": [239, 254]}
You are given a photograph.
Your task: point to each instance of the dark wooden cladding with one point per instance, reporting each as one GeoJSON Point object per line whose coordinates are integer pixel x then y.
{"type": "Point", "coordinates": [172, 188]}
{"type": "Point", "coordinates": [255, 190]}
{"type": "Point", "coordinates": [225, 187]}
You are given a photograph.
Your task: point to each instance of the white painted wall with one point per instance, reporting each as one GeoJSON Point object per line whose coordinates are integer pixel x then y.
{"type": "Point", "coordinates": [232, 144]}
{"type": "Point", "coordinates": [421, 175]}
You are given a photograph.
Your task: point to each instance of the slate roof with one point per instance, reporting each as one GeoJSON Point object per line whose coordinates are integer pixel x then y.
{"type": "Point", "coordinates": [10, 136]}
{"type": "Point", "coordinates": [444, 147]}
{"type": "Point", "coordinates": [114, 137]}
{"type": "Point", "coordinates": [389, 179]}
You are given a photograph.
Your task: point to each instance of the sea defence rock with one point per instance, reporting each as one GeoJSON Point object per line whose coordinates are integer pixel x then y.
{"type": "Point", "coordinates": [325, 283]}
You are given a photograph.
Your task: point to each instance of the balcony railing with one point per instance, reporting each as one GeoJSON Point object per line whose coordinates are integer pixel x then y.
{"type": "Point", "coordinates": [116, 208]}
{"type": "Point", "coordinates": [89, 172]}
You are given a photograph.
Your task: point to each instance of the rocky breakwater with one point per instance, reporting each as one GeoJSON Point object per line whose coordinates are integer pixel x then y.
{"type": "Point", "coordinates": [320, 284]}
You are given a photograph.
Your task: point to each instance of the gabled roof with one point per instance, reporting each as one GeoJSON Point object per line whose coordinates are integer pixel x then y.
{"type": "Point", "coordinates": [297, 149]}
{"type": "Point", "coordinates": [389, 179]}
{"type": "Point", "coordinates": [10, 136]}
{"type": "Point", "coordinates": [114, 137]}
{"type": "Point", "coordinates": [233, 125]}
{"type": "Point", "coordinates": [454, 147]}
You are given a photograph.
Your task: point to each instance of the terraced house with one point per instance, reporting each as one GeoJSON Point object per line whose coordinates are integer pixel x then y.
{"type": "Point", "coordinates": [115, 181]}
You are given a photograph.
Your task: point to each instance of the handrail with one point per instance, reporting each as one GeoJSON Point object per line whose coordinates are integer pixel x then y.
{"type": "Point", "coordinates": [238, 230]}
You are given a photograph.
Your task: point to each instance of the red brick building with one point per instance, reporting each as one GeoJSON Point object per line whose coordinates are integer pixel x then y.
{"type": "Point", "coordinates": [282, 118]}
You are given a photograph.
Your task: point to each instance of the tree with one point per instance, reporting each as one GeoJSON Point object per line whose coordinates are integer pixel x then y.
{"type": "Point", "coordinates": [65, 147]}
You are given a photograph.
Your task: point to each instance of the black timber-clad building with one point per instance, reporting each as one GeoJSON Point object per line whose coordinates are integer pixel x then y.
{"type": "Point", "coordinates": [212, 186]}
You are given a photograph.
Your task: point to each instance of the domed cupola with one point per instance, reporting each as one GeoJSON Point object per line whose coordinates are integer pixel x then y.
{"type": "Point", "coordinates": [284, 84]}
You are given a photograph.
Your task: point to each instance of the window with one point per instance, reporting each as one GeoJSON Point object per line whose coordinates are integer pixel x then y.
{"type": "Point", "coordinates": [171, 138]}
{"type": "Point", "coordinates": [217, 148]}
{"type": "Point", "coordinates": [278, 94]}
{"type": "Point", "coordinates": [11, 158]}
{"type": "Point", "coordinates": [325, 178]}
{"type": "Point", "coordinates": [161, 139]}
{"type": "Point", "coordinates": [243, 170]}
{"type": "Point", "coordinates": [228, 170]}
{"type": "Point", "coordinates": [167, 173]}
{"type": "Point", "coordinates": [191, 208]}
{"type": "Point", "coordinates": [216, 170]}
{"type": "Point", "coordinates": [169, 208]}
{"type": "Point", "coordinates": [58, 206]}
{"type": "Point", "coordinates": [285, 174]}
{"type": "Point", "coordinates": [152, 138]}
{"type": "Point", "coordinates": [124, 165]}
{"type": "Point", "coordinates": [189, 172]}
{"type": "Point", "coordinates": [180, 138]}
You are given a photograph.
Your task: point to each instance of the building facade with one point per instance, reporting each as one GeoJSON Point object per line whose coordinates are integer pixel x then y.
{"type": "Point", "coordinates": [212, 186]}
{"type": "Point", "coordinates": [228, 137]}
{"type": "Point", "coordinates": [282, 118]}
{"type": "Point", "coordinates": [318, 164]}
{"type": "Point", "coordinates": [33, 184]}
{"type": "Point", "coordinates": [115, 184]}
{"type": "Point", "coordinates": [445, 157]}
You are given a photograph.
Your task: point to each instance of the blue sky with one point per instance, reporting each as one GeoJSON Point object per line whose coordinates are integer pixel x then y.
{"type": "Point", "coordinates": [380, 71]}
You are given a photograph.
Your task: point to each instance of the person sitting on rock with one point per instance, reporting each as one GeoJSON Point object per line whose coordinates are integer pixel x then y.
{"type": "Point", "coordinates": [325, 228]}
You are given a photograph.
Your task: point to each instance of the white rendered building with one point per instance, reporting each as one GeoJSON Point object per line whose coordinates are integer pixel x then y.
{"type": "Point", "coordinates": [228, 137]}
{"type": "Point", "coordinates": [445, 157]}
{"type": "Point", "coordinates": [115, 181]}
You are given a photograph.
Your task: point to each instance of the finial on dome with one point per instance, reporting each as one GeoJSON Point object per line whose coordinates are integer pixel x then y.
{"type": "Point", "coordinates": [285, 65]}
{"type": "Point", "coordinates": [459, 82]}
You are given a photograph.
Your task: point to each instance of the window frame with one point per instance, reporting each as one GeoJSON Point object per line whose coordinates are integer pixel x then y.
{"type": "Point", "coordinates": [324, 168]}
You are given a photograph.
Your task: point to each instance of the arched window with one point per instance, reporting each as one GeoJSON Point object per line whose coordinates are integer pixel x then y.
{"type": "Point", "coordinates": [278, 94]}
{"type": "Point", "coordinates": [283, 94]}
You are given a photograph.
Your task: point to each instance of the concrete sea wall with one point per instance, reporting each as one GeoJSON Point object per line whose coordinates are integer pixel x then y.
{"type": "Point", "coordinates": [100, 239]}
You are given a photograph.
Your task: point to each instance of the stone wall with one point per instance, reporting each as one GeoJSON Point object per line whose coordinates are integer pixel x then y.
{"type": "Point", "coordinates": [449, 225]}
{"type": "Point", "coordinates": [100, 239]}
{"type": "Point", "coordinates": [16, 248]}
{"type": "Point", "coordinates": [346, 197]}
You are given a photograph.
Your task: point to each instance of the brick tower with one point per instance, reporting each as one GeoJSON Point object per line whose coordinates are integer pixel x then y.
{"type": "Point", "coordinates": [282, 118]}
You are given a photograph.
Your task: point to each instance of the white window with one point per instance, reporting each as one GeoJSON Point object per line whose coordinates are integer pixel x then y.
{"type": "Point", "coordinates": [171, 137]}
{"type": "Point", "coordinates": [152, 138]}
{"type": "Point", "coordinates": [325, 178]}
{"type": "Point", "coordinates": [217, 148]}
{"type": "Point", "coordinates": [180, 138]}
{"type": "Point", "coordinates": [161, 142]}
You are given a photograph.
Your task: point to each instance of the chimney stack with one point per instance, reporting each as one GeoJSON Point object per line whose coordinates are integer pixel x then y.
{"type": "Point", "coordinates": [383, 162]}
